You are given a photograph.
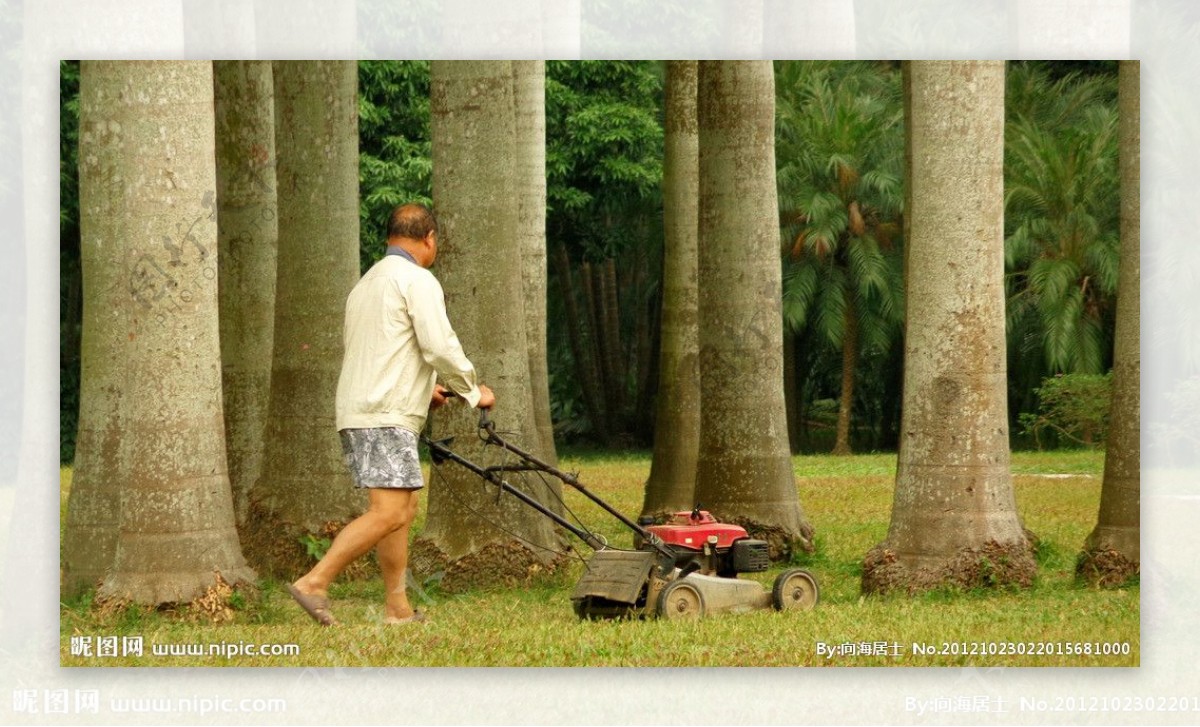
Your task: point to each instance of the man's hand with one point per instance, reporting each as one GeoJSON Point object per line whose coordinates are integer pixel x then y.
{"type": "Point", "coordinates": [486, 399]}
{"type": "Point", "coordinates": [440, 395]}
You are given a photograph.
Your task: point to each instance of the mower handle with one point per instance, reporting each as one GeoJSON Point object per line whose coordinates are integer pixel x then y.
{"type": "Point", "coordinates": [485, 421]}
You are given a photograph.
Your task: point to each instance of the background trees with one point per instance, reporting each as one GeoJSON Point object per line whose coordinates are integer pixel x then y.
{"type": "Point", "coordinates": [604, 146]}
{"type": "Point", "coordinates": [839, 152]}
{"type": "Point", "coordinates": [1061, 228]}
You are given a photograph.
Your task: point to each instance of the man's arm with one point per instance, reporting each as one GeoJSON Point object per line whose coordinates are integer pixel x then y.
{"type": "Point", "coordinates": [439, 343]}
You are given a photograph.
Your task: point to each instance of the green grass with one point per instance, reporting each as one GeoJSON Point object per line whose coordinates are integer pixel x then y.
{"type": "Point", "coordinates": [847, 499]}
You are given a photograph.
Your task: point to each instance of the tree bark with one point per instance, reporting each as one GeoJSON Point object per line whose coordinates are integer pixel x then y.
{"type": "Point", "coordinates": [1112, 552]}
{"type": "Point", "coordinates": [151, 499]}
{"type": "Point", "coordinates": [954, 517]}
{"type": "Point", "coordinates": [529, 100]}
{"type": "Point", "coordinates": [470, 535]}
{"type": "Point", "coordinates": [744, 470]}
{"type": "Point", "coordinates": [247, 236]}
{"type": "Point", "coordinates": [672, 479]}
{"type": "Point", "coordinates": [305, 489]}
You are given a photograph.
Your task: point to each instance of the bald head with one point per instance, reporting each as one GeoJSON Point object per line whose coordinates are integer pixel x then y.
{"type": "Point", "coordinates": [411, 221]}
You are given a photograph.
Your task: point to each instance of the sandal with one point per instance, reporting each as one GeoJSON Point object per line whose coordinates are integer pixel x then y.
{"type": "Point", "coordinates": [417, 616]}
{"type": "Point", "coordinates": [316, 606]}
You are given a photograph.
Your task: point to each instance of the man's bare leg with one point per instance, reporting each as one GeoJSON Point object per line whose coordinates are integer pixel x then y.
{"type": "Point", "coordinates": [392, 552]}
{"type": "Point", "coordinates": [388, 511]}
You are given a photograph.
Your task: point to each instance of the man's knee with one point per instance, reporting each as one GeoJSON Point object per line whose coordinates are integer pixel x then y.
{"type": "Point", "coordinates": [395, 507]}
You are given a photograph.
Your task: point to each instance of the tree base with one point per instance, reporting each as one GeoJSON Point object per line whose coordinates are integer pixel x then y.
{"type": "Point", "coordinates": [991, 565]}
{"type": "Point", "coordinates": [281, 549]}
{"type": "Point", "coordinates": [495, 565]}
{"type": "Point", "coordinates": [1106, 568]}
{"type": "Point", "coordinates": [782, 543]}
{"type": "Point", "coordinates": [202, 595]}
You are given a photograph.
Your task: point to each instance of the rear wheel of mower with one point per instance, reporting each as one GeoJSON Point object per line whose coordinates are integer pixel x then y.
{"type": "Point", "coordinates": [795, 589]}
{"type": "Point", "coordinates": [680, 599]}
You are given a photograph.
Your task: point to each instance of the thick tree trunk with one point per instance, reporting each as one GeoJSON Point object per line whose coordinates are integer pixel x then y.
{"type": "Point", "coordinates": [744, 467]}
{"type": "Point", "coordinates": [954, 517]}
{"type": "Point", "coordinates": [672, 479]}
{"type": "Point", "coordinates": [842, 446]}
{"type": "Point", "coordinates": [305, 489]}
{"type": "Point", "coordinates": [152, 498]}
{"type": "Point", "coordinates": [1112, 553]}
{"type": "Point", "coordinates": [247, 235]}
{"type": "Point", "coordinates": [529, 100]}
{"type": "Point", "coordinates": [472, 536]}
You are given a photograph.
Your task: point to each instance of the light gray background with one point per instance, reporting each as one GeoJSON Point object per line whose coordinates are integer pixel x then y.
{"type": "Point", "coordinates": [35, 34]}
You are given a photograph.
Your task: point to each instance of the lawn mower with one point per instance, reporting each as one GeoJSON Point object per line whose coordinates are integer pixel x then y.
{"type": "Point", "coordinates": [684, 568]}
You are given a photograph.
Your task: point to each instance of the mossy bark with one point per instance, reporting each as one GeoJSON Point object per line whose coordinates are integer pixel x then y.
{"type": "Point", "coordinates": [954, 517]}
{"type": "Point", "coordinates": [152, 499]}
{"type": "Point", "coordinates": [672, 481]}
{"type": "Point", "coordinates": [744, 469]}
{"type": "Point", "coordinates": [1112, 553]}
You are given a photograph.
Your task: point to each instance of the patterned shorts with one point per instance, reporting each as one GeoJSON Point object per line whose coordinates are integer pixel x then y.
{"type": "Point", "coordinates": [382, 457]}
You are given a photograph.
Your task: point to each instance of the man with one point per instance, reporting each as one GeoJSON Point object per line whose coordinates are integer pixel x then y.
{"type": "Point", "coordinates": [398, 341]}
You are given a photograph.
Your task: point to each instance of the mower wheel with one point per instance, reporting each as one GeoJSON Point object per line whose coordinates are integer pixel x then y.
{"type": "Point", "coordinates": [795, 589]}
{"type": "Point", "coordinates": [680, 599]}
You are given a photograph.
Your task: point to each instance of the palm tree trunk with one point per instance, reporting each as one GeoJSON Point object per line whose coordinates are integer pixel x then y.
{"type": "Point", "coordinates": [849, 364]}
{"type": "Point", "coordinates": [529, 100]}
{"type": "Point", "coordinates": [954, 516]}
{"type": "Point", "coordinates": [1112, 552]}
{"type": "Point", "coordinates": [153, 489]}
{"type": "Point", "coordinates": [470, 535]}
{"type": "Point", "coordinates": [744, 470]}
{"type": "Point", "coordinates": [305, 490]}
{"type": "Point", "coordinates": [247, 235]}
{"type": "Point", "coordinates": [672, 479]}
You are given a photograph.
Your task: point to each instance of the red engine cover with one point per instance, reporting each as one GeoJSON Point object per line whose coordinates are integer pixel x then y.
{"type": "Point", "coordinates": [686, 531]}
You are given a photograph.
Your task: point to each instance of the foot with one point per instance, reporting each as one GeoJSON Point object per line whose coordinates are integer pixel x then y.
{"type": "Point", "coordinates": [315, 605]}
{"type": "Point", "coordinates": [415, 617]}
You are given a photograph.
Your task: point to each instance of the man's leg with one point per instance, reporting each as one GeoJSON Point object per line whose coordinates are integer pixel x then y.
{"type": "Point", "coordinates": [388, 512]}
{"type": "Point", "coordinates": [392, 552]}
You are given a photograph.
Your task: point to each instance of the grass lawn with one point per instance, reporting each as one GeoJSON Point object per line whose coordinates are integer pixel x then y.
{"type": "Point", "coordinates": [848, 500]}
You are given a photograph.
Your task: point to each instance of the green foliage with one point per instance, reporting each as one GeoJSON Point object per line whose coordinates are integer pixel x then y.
{"type": "Point", "coordinates": [604, 145]}
{"type": "Point", "coordinates": [1061, 218]}
{"type": "Point", "coordinates": [316, 547]}
{"type": "Point", "coordinates": [1074, 407]}
{"type": "Point", "coordinates": [839, 152]}
{"type": "Point", "coordinates": [70, 272]}
{"type": "Point", "coordinates": [395, 153]}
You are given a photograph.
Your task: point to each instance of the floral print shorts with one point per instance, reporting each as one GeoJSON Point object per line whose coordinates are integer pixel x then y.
{"type": "Point", "coordinates": [382, 457]}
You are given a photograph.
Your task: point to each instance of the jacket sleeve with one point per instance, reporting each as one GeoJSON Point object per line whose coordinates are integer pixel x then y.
{"type": "Point", "coordinates": [438, 341]}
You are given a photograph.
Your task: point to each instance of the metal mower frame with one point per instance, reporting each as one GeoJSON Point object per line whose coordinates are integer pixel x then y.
{"type": "Point", "coordinates": [645, 582]}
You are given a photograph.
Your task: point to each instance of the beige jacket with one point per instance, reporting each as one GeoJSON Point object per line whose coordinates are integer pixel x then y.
{"type": "Point", "coordinates": [398, 340]}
